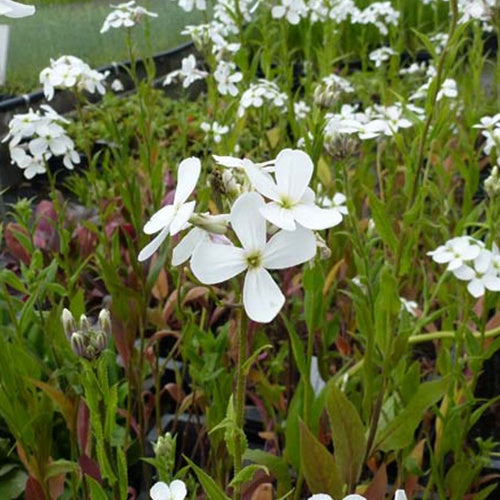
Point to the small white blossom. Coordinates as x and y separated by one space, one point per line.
176 490
125 15
214 130
188 73
226 78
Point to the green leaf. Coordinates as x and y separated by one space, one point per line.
96 490
348 435
313 283
382 222
12 483
298 348
292 433
398 434
387 306
212 489
59 467
250 361
247 473
277 466
318 465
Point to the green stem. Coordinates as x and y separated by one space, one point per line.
241 342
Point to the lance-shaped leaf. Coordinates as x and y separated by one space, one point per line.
348 435
318 465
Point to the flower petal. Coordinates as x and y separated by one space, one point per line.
178 489
279 216
261 181
159 491
185 248
187 178
400 495
293 171
491 282
181 217
247 221
160 220
476 288
153 245
289 248
314 217
464 273
212 263
262 297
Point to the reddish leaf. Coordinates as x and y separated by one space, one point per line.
160 288
56 486
175 392
34 490
45 235
13 244
82 426
378 487
90 468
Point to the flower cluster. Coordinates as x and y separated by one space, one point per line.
9 8
290 210
47 138
125 15
469 260
214 130
375 122
259 93
490 129
69 72
291 10
380 14
87 340
189 5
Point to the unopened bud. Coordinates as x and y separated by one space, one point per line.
104 322
325 96
341 146
99 340
79 344
324 251
84 323
231 185
68 322
492 183
215 224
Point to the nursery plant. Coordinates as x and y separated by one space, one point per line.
282 281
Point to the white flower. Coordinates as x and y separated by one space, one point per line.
125 15
456 251
188 73
9 8
398 495
47 138
292 10
171 219
381 55
215 130
410 306
187 5
262 298
291 199
448 89
260 92
481 275
176 490
226 77
301 110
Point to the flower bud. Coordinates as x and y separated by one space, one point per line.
341 146
324 251
84 323
79 344
104 322
325 96
99 339
492 183
215 224
68 322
